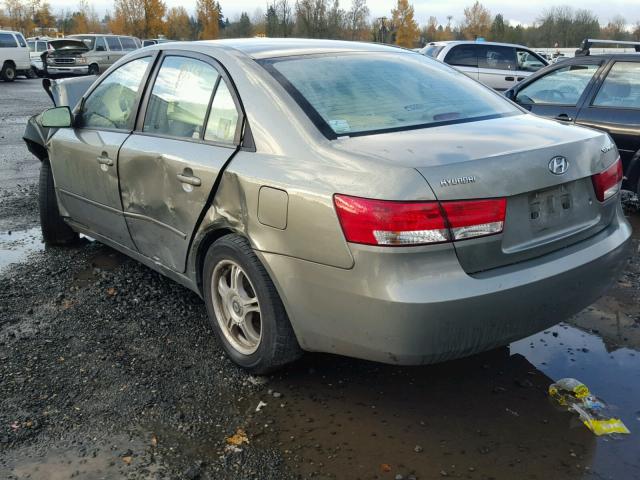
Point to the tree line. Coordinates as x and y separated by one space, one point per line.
561 26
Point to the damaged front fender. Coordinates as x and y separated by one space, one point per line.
64 92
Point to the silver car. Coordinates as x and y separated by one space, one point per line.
497 65
334 196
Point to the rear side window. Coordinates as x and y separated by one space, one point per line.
357 94
180 98
114 44
463 56
621 88
223 119
111 104
7 41
128 43
496 57
563 86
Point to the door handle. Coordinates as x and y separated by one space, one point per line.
509 79
563 117
104 160
189 179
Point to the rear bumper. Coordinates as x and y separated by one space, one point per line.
75 70
417 307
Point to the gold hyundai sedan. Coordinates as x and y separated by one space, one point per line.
341 197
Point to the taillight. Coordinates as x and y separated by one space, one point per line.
475 218
396 223
608 183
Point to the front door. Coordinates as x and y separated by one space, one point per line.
84 159
169 165
616 110
559 93
497 66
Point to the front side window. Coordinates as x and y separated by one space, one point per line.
32 46
496 57
563 86
357 93
42 47
223 119
7 41
21 40
128 43
180 97
101 45
114 44
111 105
463 56
529 62
621 88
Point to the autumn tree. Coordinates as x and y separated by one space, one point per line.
208 12
142 18
406 28
477 21
178 25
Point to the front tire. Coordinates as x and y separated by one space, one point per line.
245 309
8 73
94 69
54 230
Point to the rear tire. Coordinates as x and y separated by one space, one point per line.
276 344
54 229
8 73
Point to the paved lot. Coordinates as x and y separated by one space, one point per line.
108 370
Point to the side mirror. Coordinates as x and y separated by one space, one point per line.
59 117
510 94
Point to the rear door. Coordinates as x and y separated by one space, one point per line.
497 66
464 58
84 158
115 49
559 93
615 108
188 130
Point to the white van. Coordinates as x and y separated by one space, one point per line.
14 55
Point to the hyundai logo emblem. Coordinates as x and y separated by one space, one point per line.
558 165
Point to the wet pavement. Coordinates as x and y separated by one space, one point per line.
110 371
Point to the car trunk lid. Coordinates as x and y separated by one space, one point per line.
508 158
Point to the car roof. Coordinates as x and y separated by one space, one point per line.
10 31
474 42
260 48
97 35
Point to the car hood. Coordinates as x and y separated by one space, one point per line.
68 44
67 91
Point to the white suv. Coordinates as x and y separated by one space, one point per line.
497 65
14 55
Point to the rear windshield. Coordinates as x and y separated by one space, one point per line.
351 94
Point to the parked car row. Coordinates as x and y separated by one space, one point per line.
340 197
89 54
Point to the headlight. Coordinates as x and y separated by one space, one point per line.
50 61
81 60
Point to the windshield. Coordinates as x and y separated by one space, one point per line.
88 40
431 50
351 94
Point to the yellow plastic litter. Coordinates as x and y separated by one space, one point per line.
606 427
575 395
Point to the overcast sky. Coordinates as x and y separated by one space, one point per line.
517 11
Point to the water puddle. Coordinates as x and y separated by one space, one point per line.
110 460
18 245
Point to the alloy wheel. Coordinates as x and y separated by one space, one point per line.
236 307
